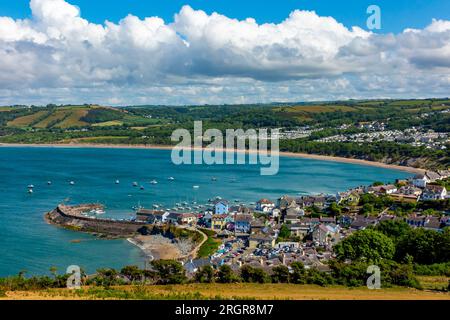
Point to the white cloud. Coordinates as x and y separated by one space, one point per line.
57 56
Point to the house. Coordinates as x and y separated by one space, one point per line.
325 234
388 189
285 202
265 205
261 240
275 213
151 216
221 207
433 223
293 215
416 221
182 218
240 209
327 220
187 219
206 220
445 174
219 221
193 266
310 201
257 226
362 222
299 230
349 197
434 192
421 180
242 223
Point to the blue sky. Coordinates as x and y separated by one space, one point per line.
397 14
62 51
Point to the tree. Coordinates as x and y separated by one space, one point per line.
425 246
334 209
169 271
367 209
298 274
284 232
366 245
133 273
226 275
255 275
204 275
280 274
395 229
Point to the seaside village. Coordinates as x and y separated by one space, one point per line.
306 228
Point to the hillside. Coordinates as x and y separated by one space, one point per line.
339 122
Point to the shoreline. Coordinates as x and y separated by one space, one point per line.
166 147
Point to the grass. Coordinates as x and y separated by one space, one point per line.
108 123
210 246
26 121
233 291
52 119
433 282
73 118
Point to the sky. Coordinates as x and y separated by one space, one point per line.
220 51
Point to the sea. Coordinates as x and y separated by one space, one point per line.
28 244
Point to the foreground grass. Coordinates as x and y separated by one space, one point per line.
229 291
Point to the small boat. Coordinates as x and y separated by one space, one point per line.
142 188
31 186
155 206
135 184
196 187
72 183
30 191
154 182
171 179
49 183
213 179
117 182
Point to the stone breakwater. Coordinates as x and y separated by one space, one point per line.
157 242
71 217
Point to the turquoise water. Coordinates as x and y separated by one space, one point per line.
28 243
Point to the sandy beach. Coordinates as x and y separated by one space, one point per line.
165 147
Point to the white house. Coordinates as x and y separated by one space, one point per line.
265 205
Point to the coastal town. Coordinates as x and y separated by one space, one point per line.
305 229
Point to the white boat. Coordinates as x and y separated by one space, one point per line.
142 188
154 182
135 184
49 182
98 211
31 186
213 179
72 183
171 179
30 191
117 182
196 187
